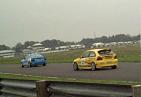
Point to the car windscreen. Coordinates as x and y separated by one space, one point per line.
85 54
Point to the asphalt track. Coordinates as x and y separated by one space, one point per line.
125 71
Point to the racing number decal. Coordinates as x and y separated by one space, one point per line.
83 61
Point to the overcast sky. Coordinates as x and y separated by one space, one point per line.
67 20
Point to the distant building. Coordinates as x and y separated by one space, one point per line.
47 49
27 51
7 53
68 47
78 46
36 48
99 44
62 48
111 44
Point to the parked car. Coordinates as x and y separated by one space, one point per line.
33 60
96 58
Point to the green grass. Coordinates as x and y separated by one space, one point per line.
64 57
128 53
125 54
63 79
15 60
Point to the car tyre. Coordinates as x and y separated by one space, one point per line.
114 67
75 67
93 66
44 64
22 65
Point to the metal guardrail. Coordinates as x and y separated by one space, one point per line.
29 88
71 89
17 88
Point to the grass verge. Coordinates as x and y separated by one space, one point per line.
125 54
63 79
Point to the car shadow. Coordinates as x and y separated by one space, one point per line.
99 69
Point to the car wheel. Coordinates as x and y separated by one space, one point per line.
93 66
22 65
75 67
114 67
44 64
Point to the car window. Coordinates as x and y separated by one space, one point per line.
105 52
92 54
85 54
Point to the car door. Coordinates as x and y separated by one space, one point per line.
83 62
90 58
25 61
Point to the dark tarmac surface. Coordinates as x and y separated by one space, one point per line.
125 71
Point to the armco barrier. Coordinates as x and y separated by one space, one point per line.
17 88
70 89
43 88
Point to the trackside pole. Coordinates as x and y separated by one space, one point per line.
0 87
41 87
136 90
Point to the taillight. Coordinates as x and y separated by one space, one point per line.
99 58
115 57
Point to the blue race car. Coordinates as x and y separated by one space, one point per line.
34 60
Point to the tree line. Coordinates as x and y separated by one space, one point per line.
106 39
86 41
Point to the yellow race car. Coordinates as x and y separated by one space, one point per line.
96 58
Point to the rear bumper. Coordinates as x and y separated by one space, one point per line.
38 63
100 64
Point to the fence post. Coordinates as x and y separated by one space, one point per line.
41 87
136 90
0 87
